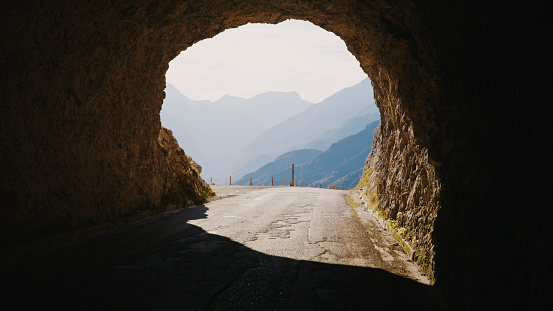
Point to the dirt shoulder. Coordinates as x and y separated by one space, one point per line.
390 250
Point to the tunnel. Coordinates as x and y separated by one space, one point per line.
464 138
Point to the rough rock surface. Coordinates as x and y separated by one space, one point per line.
183 186
406 195
82 87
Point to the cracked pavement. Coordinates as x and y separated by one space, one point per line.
309 224
276 248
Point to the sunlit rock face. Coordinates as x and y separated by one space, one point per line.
183 184
400 185
460 89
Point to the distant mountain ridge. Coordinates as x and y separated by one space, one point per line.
348 128
212 132
233 136
341 164
304 130
279 168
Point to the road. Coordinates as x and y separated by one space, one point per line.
276 248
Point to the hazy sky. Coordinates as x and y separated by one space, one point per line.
256 58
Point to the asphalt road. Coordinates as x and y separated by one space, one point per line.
281 248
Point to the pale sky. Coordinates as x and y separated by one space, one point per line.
256 58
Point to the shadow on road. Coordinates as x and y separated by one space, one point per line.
198 212
172 265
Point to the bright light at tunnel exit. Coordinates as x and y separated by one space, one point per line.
255 58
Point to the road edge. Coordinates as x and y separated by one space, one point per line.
410 251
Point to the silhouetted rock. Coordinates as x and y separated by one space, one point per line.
183 185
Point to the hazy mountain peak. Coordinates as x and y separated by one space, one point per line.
280 98
269 95
228 100
171 90
364 86
225 136
212 132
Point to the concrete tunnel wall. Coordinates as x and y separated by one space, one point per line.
461 88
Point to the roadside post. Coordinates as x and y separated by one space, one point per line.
292 175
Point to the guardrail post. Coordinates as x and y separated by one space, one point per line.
293 175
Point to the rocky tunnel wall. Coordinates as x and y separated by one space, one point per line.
459 86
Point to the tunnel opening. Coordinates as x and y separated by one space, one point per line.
262 92
456 109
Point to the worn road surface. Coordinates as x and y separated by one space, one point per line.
281 248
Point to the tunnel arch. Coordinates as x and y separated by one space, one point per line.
82 86
388 56
116 76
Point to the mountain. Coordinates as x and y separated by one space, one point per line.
279 168
303 130
348 128
213 132
177 116
341 164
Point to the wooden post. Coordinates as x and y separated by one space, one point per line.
272 181
302 183
212 180
284 180
293 175
230 182
311 184
250 181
